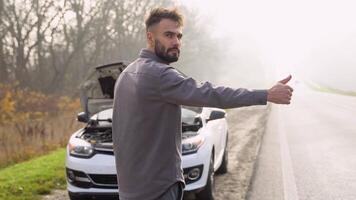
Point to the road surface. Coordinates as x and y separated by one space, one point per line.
308 150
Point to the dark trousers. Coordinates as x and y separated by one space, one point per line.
175 192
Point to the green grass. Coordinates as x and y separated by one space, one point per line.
30 179
330 89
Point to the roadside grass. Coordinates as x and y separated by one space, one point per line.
330 89
30 179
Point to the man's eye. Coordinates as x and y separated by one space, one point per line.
169 35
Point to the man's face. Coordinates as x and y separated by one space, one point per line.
166 40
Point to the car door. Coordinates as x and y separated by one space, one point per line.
223 135
214 127
220 128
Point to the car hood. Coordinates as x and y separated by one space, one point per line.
97 89
187 117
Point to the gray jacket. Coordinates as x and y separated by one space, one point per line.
147 122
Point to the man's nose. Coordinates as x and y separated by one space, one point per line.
176 42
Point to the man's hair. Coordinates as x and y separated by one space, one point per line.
157 14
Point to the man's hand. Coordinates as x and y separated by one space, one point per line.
281 93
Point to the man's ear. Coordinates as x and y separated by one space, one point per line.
150 38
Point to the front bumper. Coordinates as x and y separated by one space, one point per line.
201 158
98 173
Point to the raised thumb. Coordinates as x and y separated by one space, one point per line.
286 80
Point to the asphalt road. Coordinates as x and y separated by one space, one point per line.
308 150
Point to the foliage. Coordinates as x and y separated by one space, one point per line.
32 123
328 89
18 105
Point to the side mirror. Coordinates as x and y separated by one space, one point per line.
215 114
83 117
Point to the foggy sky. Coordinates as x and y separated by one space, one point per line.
314 40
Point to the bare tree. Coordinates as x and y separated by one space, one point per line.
27 25
50 45
3 66
76 35
102 32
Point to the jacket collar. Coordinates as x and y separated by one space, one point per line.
146 53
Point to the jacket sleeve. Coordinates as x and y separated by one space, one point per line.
178 89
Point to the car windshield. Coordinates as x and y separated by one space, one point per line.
189 114
193 108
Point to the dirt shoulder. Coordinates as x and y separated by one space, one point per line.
246 128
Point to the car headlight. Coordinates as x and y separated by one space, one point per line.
192 144
80 148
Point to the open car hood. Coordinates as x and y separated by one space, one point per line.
97 89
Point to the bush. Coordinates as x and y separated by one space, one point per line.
32 123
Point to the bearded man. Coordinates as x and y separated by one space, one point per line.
147 111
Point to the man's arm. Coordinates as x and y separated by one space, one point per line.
177 89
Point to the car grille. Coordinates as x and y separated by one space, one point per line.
104 179
83 180
106 151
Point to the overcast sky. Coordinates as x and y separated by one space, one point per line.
311 39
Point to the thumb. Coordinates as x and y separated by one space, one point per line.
286 80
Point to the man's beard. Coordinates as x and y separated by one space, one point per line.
162 53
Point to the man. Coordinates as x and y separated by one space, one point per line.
147 112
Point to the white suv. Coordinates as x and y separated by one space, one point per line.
90 163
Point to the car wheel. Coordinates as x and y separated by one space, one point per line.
208 192
223 167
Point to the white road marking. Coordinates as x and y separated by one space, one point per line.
289 184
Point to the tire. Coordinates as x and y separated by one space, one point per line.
208 192
223 167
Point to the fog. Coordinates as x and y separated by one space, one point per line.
314 40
